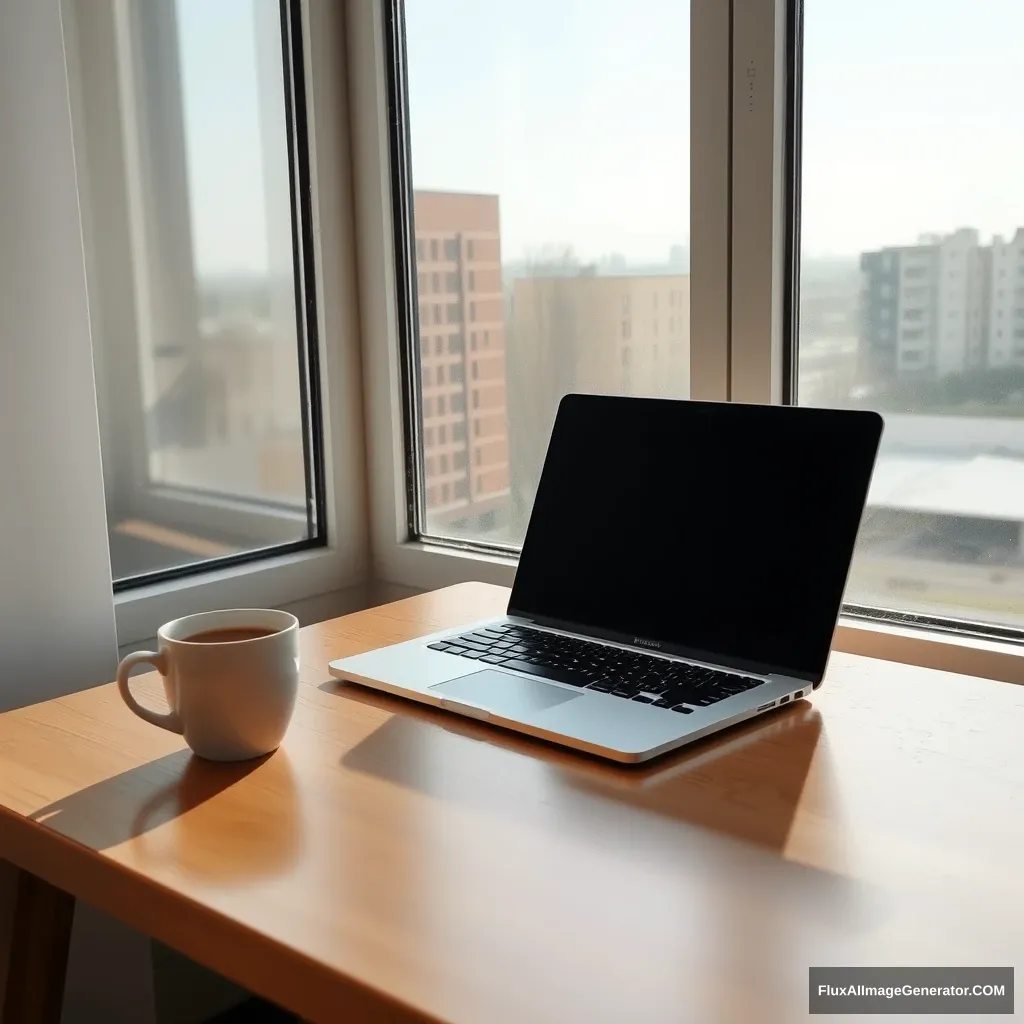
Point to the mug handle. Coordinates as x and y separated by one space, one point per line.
169 720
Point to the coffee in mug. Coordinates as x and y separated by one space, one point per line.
231 679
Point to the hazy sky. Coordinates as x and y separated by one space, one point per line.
576 113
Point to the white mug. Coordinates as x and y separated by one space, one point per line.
230 699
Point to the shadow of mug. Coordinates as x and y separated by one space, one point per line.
254 831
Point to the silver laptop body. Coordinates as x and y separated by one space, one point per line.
623 706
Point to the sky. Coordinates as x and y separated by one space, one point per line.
576 114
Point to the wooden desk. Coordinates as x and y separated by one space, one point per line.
392 863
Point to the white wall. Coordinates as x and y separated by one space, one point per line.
56 606
54 563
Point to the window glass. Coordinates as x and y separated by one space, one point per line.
559 196
902 300
200 359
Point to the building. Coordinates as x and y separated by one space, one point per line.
924 308
1005 301
617 334
462 352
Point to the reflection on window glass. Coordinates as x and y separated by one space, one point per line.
203 418
551 195
912 225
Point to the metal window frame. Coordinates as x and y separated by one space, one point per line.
262 519
337 561
709 357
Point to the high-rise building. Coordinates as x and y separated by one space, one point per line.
462 351
1005 301
925 308
616 334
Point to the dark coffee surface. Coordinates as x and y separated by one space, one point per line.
229 636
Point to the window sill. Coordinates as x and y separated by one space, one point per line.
429 567
270 582
968 656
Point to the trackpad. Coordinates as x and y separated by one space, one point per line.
504 694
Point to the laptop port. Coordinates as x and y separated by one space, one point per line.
765 707
785 699
799 693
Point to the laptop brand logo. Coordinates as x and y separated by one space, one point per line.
646 643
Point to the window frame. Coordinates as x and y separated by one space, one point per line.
274 573
744 186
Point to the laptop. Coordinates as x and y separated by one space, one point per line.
683 571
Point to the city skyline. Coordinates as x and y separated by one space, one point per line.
578 116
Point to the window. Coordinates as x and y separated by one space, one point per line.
457 373
461 490
524 262
437 313
445 494
453 313
436 282
627 330
442 434
428 437
426 375
953 403
458 429
455 343
458 404
441 407
562 270
433 249
203 327
443 463
459 460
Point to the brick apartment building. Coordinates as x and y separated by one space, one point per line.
462 351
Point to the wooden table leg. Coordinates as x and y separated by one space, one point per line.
35 934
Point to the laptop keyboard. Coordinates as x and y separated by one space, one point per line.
632 675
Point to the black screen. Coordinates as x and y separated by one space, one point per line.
713 529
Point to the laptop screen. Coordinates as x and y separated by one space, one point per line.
719 531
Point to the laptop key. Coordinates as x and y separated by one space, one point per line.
494 659
683 709
439 646
475 654
544 672
602 686
474 645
